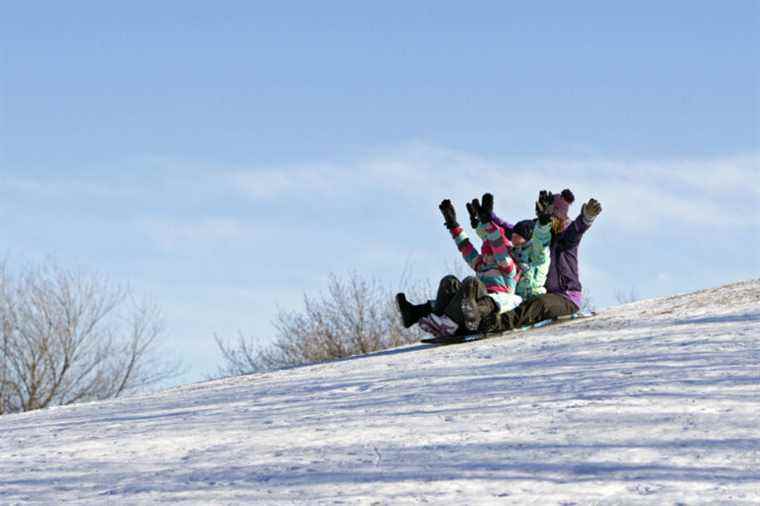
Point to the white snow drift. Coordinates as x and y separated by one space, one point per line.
655 402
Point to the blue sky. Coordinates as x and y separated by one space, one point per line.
226 158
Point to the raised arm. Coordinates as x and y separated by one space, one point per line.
572 235
494 236
505 225
539 259
492 233
539 244
469 253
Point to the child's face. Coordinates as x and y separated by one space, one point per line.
517 239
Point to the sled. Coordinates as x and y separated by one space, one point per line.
466 338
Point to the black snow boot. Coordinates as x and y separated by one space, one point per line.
486 306
490 321
470 310
476 306
412 313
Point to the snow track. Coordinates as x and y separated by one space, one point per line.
655 402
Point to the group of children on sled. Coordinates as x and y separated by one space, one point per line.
524 273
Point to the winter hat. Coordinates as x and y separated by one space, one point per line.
562 203
524 228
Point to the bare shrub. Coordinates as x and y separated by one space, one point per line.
69 337
353 316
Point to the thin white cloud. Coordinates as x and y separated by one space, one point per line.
635 194
710 191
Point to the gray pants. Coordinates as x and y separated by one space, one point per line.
448 300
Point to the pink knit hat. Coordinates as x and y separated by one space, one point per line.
562 203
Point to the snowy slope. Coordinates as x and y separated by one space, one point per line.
656 402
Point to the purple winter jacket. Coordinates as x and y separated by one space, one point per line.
563 271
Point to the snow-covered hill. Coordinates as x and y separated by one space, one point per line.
656 402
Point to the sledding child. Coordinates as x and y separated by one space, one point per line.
563 287
491 291
530 248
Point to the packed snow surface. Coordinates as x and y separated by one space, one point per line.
655 402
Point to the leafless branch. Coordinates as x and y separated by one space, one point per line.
353 316
68 336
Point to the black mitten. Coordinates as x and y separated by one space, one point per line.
544 207
449 215
486 208
473 214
